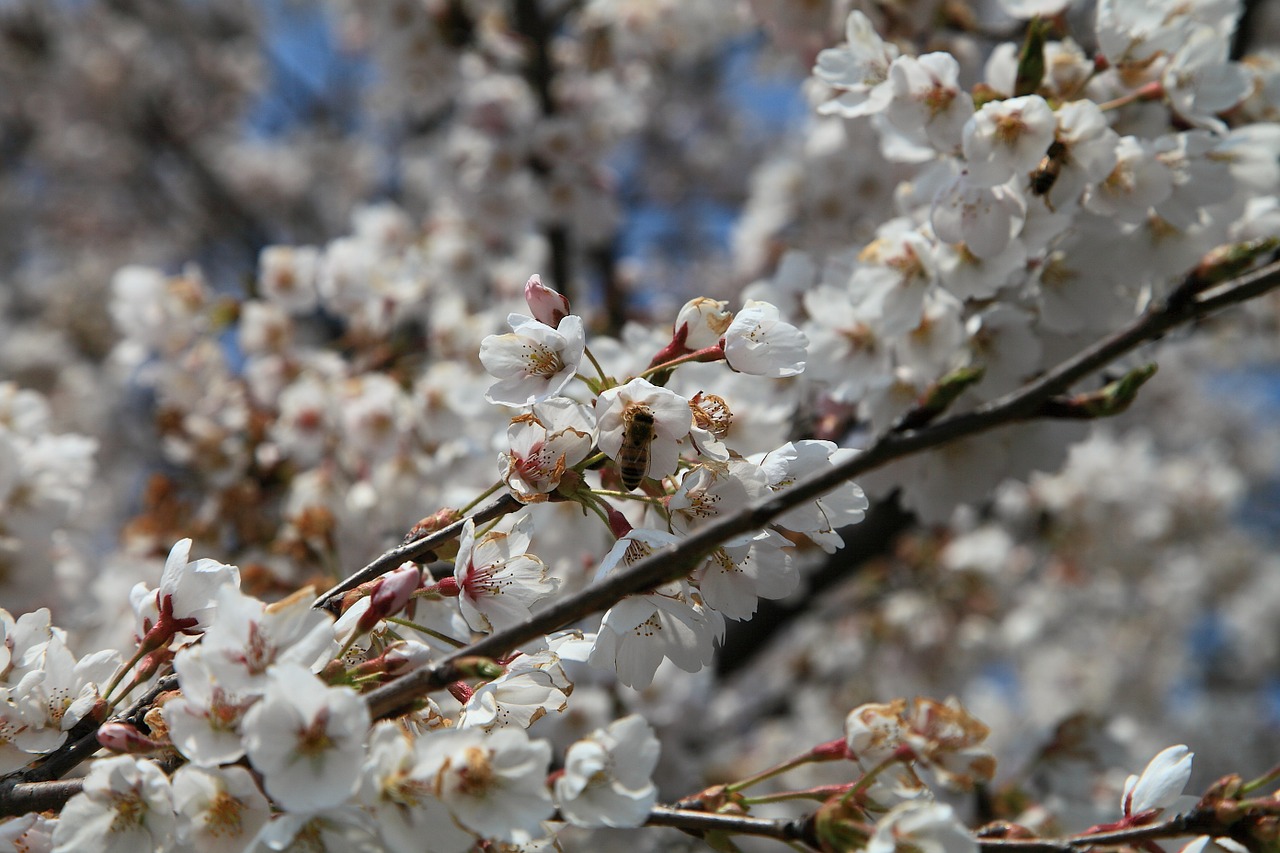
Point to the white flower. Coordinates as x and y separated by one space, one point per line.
307 416
1007 138
1088 151
704 321
532 685
860 67
1201 81
985 219
1136 183
672 420
821 519
57 691
545 443
741 571
186 601
606 780
30 833
846 349
893 274
498 582
287 276
204 721
373 412
126 806
398 786
494 783
1133 31
639 631
928 104
306 739
534 362
761 343
1160 783
250 636
714 490
921 827
220 810
164 314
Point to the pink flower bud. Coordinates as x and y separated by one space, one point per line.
390 595
124 738
547 306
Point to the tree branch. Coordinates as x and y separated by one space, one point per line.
675 561
33 788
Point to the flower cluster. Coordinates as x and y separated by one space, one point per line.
957 219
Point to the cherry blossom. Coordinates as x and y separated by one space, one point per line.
534 362
306 739
219 810
1160 783
186 600
702 322
497 581
494 784
205 722
743 570
839 508
554 437
928 105
399 786
984 219
126 806
250 636
926 827
860 68
672 421
532 686
1007 138
638 632
606 780
761 343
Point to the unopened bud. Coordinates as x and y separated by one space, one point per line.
547 306
706 319
839 825
618 523
390 594
126 739
433 523
1106 402
1227 262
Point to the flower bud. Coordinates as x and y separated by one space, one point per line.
390 594
707 320
547 306
126 739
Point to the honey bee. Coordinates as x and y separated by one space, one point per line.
1046 174
633 456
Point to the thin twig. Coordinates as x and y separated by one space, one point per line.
787 829
418 548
